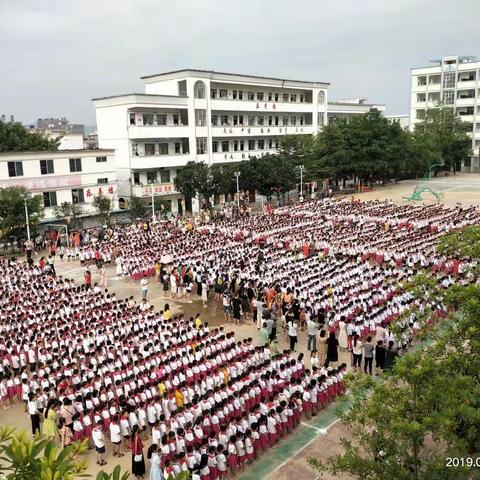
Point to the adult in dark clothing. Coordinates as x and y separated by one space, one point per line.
332 348
379 357
390 356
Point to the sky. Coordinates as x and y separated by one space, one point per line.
56 55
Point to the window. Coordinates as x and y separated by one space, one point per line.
321 97
448 97
225 146
214 120
161 119
276 97
251 95
101 159
148 118
235 145
136 178
182 88
149 149
151 177
276 120
421 97
77 195
301 120
234 94
449 80
293 97
132 119
285 97
270 120
200 118
165 176
46 167
178 147
240 119
285 121
240 95
215 146
201 146
302 98
270 96
175 118
224 120
261 121
163 148
251 120
261 144
15 169
213 93
251 144
75 165
270 143
223 94
235 119
102 181
199 89
49 199
294 120
421 81
242 145
260 96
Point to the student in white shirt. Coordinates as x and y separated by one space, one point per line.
99 442
116 436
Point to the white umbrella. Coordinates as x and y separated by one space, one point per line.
166 259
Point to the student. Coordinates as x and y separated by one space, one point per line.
379 357
65 434
368 349
99 442
116 436
357 352
34 413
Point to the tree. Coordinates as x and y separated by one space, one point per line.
103 204
448 134
428 408
137 207
14 137
69 213
12 210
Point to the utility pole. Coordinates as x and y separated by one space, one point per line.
301 167
26 217
153 204
237 175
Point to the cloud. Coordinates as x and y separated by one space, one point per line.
58 54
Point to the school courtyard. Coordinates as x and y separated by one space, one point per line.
319 437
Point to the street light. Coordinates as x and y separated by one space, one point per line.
153 204
26 217
237 175
301 167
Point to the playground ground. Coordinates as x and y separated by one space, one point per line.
463 188
319 437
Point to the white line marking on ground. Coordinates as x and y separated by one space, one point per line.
307 444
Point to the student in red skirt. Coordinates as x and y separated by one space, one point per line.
232 455
221 462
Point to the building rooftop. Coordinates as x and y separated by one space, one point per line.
59 152
213 73
136 93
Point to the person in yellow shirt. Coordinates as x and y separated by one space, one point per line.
198 322
161 388
179 398
167 313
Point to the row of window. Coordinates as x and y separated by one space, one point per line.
153 177
78 196
154 149
159 119
15 169
257 120
225 94
236 145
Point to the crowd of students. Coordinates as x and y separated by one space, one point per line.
87 364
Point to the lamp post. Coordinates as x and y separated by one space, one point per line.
301 167
153 204
237 175
26 217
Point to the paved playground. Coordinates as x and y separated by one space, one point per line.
319 437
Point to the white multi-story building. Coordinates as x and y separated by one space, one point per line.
73 176
198 115
347 109
453 81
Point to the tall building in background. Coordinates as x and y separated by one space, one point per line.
198 115
452 81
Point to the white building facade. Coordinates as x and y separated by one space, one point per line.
203 116
347 109
453 81
73 176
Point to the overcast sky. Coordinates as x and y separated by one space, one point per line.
56 55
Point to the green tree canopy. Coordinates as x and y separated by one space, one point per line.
69 213
137 207
14 137
103 204
447 134
12 210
